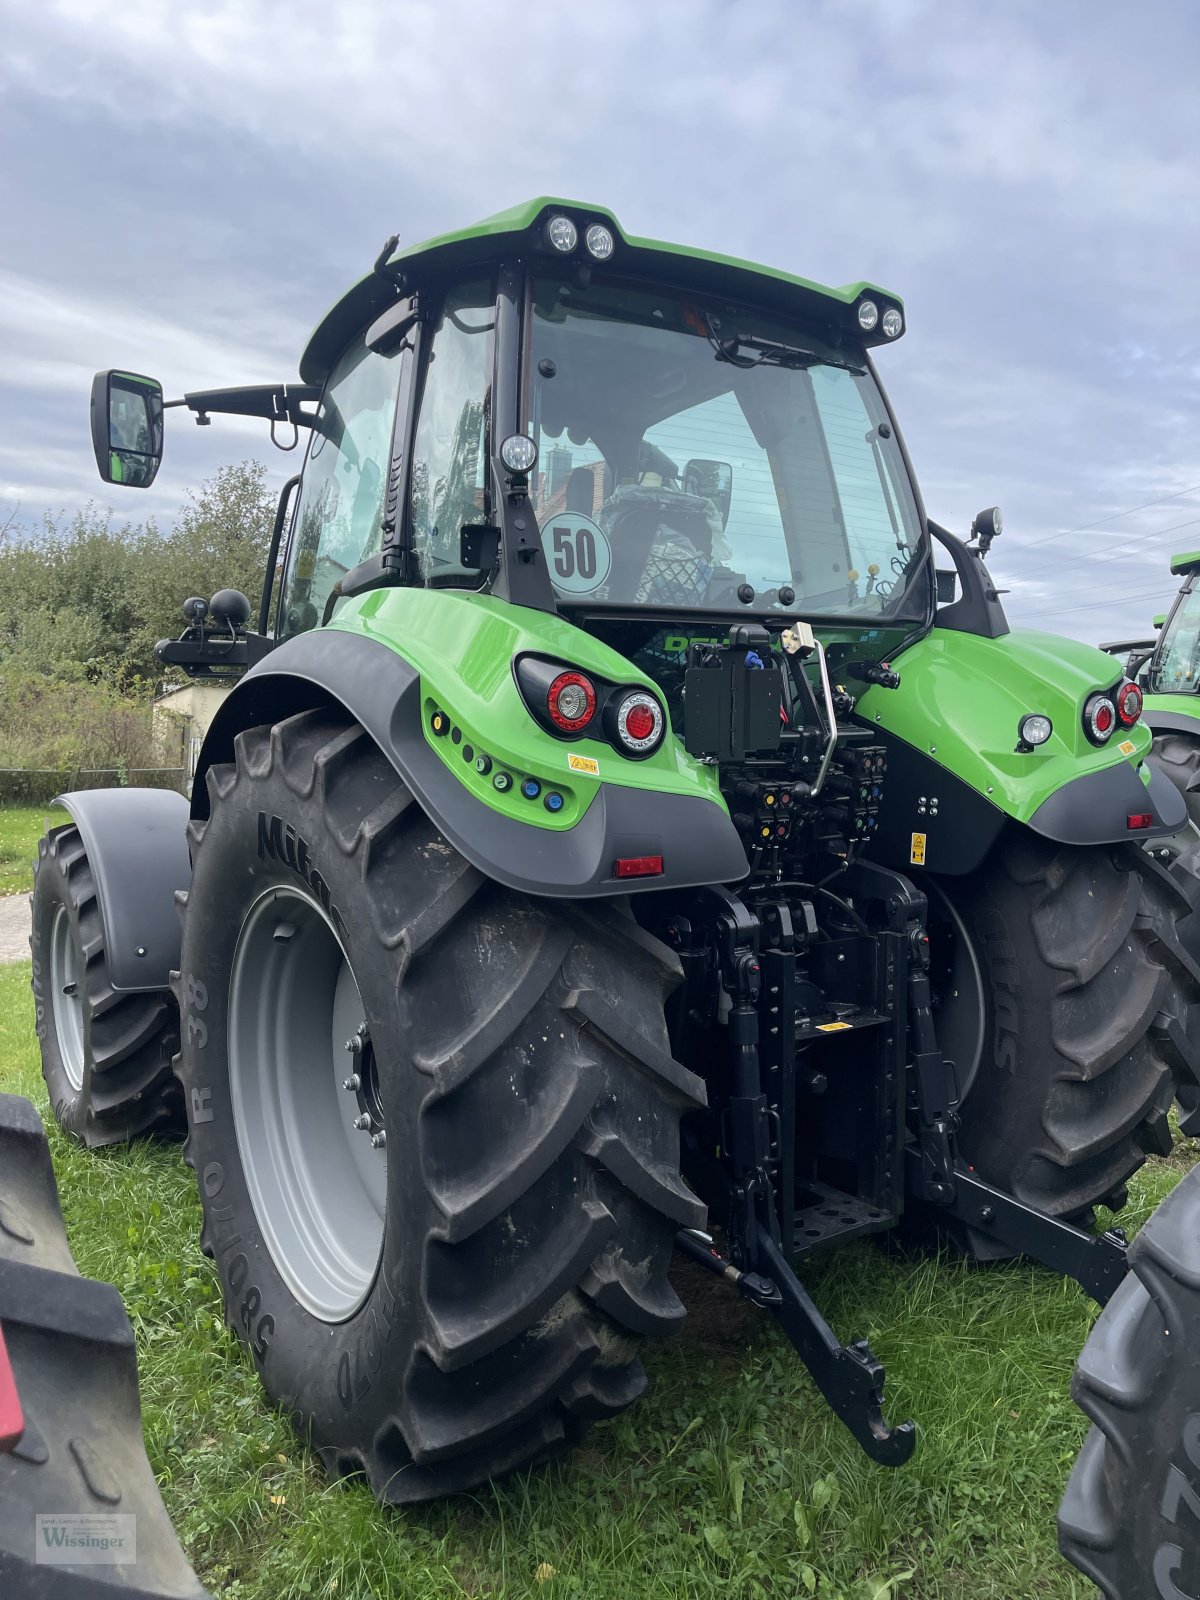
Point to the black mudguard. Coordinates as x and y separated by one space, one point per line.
696 838
136 843
1096 808
957 826
1171 722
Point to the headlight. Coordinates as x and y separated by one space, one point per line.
562 235
868 315
893 323
599 241
1034 729
518 452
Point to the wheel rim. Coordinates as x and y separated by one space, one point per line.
317 1183
66 999
961 1014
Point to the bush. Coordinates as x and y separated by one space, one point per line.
56 736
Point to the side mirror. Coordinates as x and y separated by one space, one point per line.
711 480
127 427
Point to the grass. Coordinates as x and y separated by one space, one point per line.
20 829
731 1479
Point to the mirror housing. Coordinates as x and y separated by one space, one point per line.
711 480
127 427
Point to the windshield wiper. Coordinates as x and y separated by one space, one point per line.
773 352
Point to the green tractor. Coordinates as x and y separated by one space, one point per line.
620 832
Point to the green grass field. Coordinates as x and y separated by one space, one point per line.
731 1479
20 829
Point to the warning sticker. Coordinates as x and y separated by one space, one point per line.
584 764
1127 747
917 854
833 1027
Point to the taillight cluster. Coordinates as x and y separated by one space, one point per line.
1105 712
570 704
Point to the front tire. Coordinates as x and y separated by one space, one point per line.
1129 1519
106 1056
464 1297
1069 1002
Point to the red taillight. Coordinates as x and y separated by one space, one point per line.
571 701
1099 718
640 723
637 723
638 867
1140 819
1129 703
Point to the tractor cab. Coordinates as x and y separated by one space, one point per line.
1172 666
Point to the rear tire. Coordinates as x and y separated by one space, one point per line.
1129 1516
106 1057
1090 1014
525 1202
1177 757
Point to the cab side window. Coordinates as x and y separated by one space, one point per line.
339 519
448 483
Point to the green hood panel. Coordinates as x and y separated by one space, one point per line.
463 644
961 697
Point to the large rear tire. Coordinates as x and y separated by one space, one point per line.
106 1056
1068 997
467 1295
1130 1518
1177 756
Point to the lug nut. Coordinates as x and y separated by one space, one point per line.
379 1139
352 1082
353 1045
363 1122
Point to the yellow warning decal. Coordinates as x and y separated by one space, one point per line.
584 764
833 1027
917 854
1126 747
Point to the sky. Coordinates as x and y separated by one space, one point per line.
185 189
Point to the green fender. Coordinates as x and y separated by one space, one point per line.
955 775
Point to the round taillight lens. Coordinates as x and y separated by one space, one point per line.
1129 703
639 723
571 701
1099 718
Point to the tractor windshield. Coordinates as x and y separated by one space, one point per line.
691 452
1177 666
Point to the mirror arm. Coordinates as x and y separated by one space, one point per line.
274 402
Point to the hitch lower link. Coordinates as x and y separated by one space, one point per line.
849 1377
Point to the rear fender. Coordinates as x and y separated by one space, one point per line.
382 691
136 843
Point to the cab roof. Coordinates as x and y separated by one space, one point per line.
520 232
1188 562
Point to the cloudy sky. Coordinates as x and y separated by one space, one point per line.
186 188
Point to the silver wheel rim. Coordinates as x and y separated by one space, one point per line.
961 1016
66 999
317 1183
